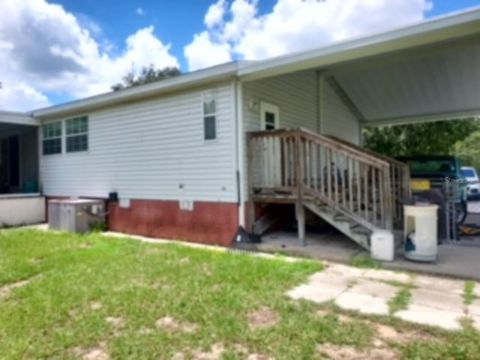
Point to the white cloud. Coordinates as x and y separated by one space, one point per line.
203 52
140 11
21 97
45 49
295 25
215 13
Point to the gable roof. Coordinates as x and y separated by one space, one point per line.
436 30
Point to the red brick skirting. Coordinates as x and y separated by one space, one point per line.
208 223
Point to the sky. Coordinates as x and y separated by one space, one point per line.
53 51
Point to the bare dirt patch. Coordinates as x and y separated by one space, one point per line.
263 318
168 323
95 305
388 333
98 352
258 357
336 352
116 322
215 353
6 290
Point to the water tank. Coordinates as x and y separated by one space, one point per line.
421 232
75 215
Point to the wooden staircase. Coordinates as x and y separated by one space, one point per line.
355 190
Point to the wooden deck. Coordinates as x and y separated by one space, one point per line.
303 168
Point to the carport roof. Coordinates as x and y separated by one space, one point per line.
429 70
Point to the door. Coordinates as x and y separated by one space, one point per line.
14 162
269 116
272 154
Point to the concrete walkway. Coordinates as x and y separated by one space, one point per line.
427 300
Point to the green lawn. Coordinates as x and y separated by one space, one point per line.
97 297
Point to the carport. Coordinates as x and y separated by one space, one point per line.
20 199
426 72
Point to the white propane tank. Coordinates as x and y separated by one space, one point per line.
421 232
382 245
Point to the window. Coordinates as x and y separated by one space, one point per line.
209 116
269 116
52 138
76 130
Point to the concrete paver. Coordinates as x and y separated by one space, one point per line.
449 301
369 297
439 284
386 275
315 293
474 308
365 304
434 301
425 315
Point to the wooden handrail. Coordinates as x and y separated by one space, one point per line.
341 145
301 163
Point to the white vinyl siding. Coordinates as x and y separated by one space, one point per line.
152 149
294 94
337 118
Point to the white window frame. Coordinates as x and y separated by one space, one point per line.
205 94
53 137
86 133
271 108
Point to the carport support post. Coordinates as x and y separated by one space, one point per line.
299 209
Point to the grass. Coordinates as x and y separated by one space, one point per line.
52 317
401 300
363 260
469 293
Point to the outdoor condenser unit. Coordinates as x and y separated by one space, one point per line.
75 215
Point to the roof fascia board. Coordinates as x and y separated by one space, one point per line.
214 74
428 32
16 118
474 113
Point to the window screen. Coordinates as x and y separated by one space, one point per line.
209 116
52 138
77 134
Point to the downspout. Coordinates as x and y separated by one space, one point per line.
239 151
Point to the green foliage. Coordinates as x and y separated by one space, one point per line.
468 150
365 261
436 138
98 226
469 293
401 300
147 75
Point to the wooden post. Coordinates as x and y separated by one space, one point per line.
388 198
300 210
299 167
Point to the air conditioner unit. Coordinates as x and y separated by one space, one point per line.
75 215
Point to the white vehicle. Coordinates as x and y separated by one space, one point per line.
473 182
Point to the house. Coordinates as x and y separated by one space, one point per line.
196 156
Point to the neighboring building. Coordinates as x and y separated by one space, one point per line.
177 151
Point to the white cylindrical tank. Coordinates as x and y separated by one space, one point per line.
421 232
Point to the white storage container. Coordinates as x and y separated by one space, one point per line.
421 232
382 245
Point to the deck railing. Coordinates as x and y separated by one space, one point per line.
303 165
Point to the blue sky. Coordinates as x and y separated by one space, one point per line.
52 51
176 21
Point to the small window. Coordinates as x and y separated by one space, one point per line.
52 138
77 134
209 116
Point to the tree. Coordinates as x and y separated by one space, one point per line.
435 138
468 150
147 75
